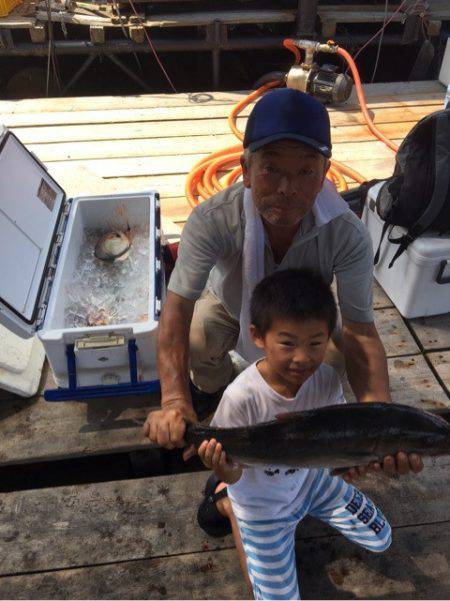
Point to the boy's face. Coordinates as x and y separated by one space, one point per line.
294 350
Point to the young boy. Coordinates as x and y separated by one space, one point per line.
293 313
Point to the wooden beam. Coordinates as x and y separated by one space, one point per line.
328 27
306 17
137 34
433 26
97 34
38 34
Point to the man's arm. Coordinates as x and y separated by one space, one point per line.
166 426
365 361
367 372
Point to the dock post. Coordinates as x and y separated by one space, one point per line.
306 18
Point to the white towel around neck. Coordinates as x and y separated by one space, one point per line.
327 206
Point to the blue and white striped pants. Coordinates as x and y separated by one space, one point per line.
270 544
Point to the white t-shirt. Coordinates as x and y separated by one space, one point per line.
273 492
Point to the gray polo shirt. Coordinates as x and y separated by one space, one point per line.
210 254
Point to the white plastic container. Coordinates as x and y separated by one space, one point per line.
444 73
419 281
40 236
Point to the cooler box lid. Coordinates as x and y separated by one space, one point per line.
31 205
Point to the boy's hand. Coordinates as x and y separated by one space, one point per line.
214 458
352 473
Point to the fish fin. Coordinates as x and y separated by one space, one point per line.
288 415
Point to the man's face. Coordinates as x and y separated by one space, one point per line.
285 178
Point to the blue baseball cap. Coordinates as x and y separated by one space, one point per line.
288 113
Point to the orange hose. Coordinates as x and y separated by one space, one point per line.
204 179
290 45
362 101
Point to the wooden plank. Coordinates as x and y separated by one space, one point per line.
120 101
381 95
394 334
161 131
387 115
35 430
137 166
351 15
208 575
433 331
13 21
156 517
441 363
126 176
192 19
185 146
415 567
380 298
168 186
411 382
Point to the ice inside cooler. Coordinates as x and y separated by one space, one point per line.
90 292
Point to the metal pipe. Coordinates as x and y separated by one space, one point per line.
168 45
90 59
129 72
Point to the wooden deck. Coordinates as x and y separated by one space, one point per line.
137 538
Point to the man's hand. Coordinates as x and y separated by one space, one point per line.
166 426
398 464
214 458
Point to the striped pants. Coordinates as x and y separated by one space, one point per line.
270 544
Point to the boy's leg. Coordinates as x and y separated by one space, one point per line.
225 508
269 547
213 334
347 509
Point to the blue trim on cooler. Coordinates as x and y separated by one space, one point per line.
74 392
95 392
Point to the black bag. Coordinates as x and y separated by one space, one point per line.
417 196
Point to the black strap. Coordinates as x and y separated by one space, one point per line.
383 233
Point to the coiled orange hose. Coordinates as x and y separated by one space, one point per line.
203 180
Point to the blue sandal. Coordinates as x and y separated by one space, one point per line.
208 516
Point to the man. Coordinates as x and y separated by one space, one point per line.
302 223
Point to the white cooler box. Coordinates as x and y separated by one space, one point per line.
419 281
41 234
